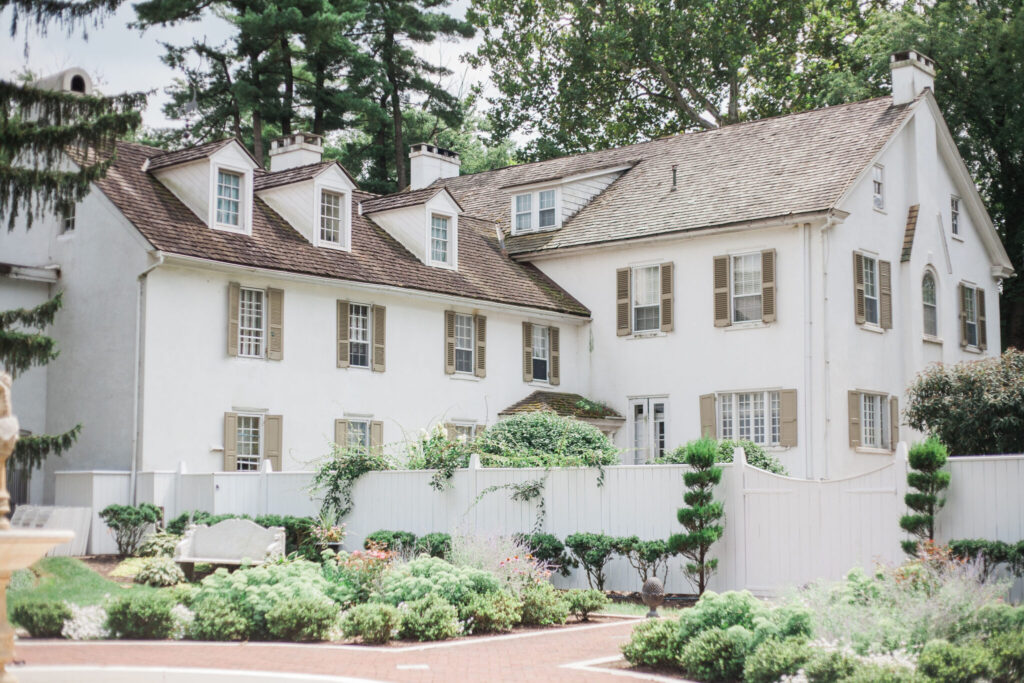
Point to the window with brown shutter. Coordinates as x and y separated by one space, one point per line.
859 313
272 443
982 331
554 375
480 322
275 346
230 442
341 434
720 285
234 290
894 422
708 422
449 342
768 286
885 294
787 417
379 337
667 296
623 307
450 431
527 352
343 359
376 437
853 408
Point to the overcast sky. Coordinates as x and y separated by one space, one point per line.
123 60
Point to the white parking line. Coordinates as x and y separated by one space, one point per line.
594 666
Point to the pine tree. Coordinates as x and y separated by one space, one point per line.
929 479
40 128
702 518
22 346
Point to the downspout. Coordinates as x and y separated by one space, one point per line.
808 418
140 347
826 352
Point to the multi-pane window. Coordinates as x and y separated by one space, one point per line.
439 239
541 352
67 218
359 434
650 428
746 287
463 343
751 416
954 214
331 207
870 290
874 420
465 432
646 298
546 209
878 187
250 322
359 335
970 308
249 443
929 307
524 212
229 191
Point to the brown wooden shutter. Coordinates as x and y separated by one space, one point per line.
343 357
275 303
623 322
859 307
720 284
480 323
982 330
963 315
894 422
527 352
885 294
787 417
234 292
272 437
449 342
230 442
450 431
379 337
853 405
708 424
768 287
667 314
555 372
376 437
341 434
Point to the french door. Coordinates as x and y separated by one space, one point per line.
648 428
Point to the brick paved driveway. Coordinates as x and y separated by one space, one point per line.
532 656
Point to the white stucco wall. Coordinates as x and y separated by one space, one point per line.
190 381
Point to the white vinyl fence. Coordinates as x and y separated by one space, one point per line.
779 531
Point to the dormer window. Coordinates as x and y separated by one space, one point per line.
439 240
535 211
331 217
229 191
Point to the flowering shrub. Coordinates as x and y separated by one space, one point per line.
327 530
413 580
183 618
506 557
372 622
435 451
428 618
159 571
355 576
86 623
544 439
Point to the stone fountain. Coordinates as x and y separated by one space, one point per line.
18 548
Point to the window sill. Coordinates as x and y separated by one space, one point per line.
355 367
647 334
442 264
543 384
927 339
958 238
869 327
331 245
519 233
251 357
972 349
880 210
872 451
748 325
465 377
224 227
67 235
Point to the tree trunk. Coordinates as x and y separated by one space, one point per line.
257 114
318 101
396 109
289 87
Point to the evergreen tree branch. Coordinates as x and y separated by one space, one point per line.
30 451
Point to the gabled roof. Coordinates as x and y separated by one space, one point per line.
400 200
565 404
770 168
266 180
484 273
184 156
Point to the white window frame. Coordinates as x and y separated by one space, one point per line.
434 216
729 409
238 200
344 242
68 216
472 344
733 296
534 211
973 289
655 433
369 335
954 216
878 187
934 305
545 332
244 198
633 289
465 425
875 432
241 459
364 423
876 297
453 238
244 342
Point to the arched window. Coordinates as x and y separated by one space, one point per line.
928 304
77 84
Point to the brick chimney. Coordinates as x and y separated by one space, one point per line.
912 74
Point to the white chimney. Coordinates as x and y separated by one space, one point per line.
912 73
427 163
73 80
297 149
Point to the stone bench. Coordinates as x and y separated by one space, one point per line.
231 542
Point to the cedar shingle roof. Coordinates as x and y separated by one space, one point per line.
265 180
749 171
183 156
565 404
908 236
400 200
484 272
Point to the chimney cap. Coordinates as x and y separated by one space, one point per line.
278 145
426 147
912 57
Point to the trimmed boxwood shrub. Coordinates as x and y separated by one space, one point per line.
491 612
429 618
435 544
773 659
582 603
41 618
593 551
829 666
544 439
372 622
141 616
395 541
217 618
654 643
543 606
128 523
306 618
550 550
717 654
943 661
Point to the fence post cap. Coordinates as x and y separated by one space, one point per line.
266 466
739 456
474 461
182 467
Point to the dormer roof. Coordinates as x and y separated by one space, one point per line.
189 154
266 180
400 200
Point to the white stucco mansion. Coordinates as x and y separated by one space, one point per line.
779 280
